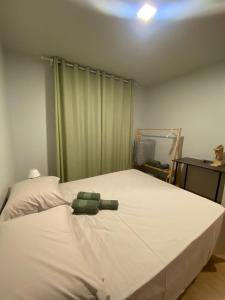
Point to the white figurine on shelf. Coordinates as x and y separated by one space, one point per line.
219 159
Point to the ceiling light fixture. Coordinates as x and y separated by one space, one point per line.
146 12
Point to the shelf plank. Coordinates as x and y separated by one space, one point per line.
166 171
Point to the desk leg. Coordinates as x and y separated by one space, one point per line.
175 175
218 187
185 178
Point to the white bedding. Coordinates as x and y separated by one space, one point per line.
155 244
40 260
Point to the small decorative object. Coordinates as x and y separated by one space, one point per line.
33 173
219 160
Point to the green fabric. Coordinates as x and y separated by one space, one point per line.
78 122
154 163
164 166
93 122
117 113
109 204
89 207
158 164
88 196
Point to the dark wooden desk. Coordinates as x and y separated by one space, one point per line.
204 164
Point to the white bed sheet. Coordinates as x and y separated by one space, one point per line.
155 244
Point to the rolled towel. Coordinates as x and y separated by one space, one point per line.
164 166
88 196
82 206
154 163
109 204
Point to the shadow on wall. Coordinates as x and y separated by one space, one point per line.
50 120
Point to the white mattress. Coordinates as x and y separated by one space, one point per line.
155 244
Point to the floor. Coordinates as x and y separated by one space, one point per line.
210 283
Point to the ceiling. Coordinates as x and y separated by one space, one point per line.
112 39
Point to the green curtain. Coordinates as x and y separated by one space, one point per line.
117 113
93 122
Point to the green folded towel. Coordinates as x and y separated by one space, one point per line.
109 204
158 164
82 206
154 163
164 166
90 203
88 196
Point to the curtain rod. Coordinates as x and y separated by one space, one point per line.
83 68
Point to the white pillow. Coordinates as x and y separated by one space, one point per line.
41 260
31 196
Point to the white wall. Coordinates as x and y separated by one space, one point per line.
26 95
32 113
6 157
140 96
196 103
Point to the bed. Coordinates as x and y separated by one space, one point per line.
150 249
155 244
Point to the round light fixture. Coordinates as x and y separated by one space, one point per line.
147 12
